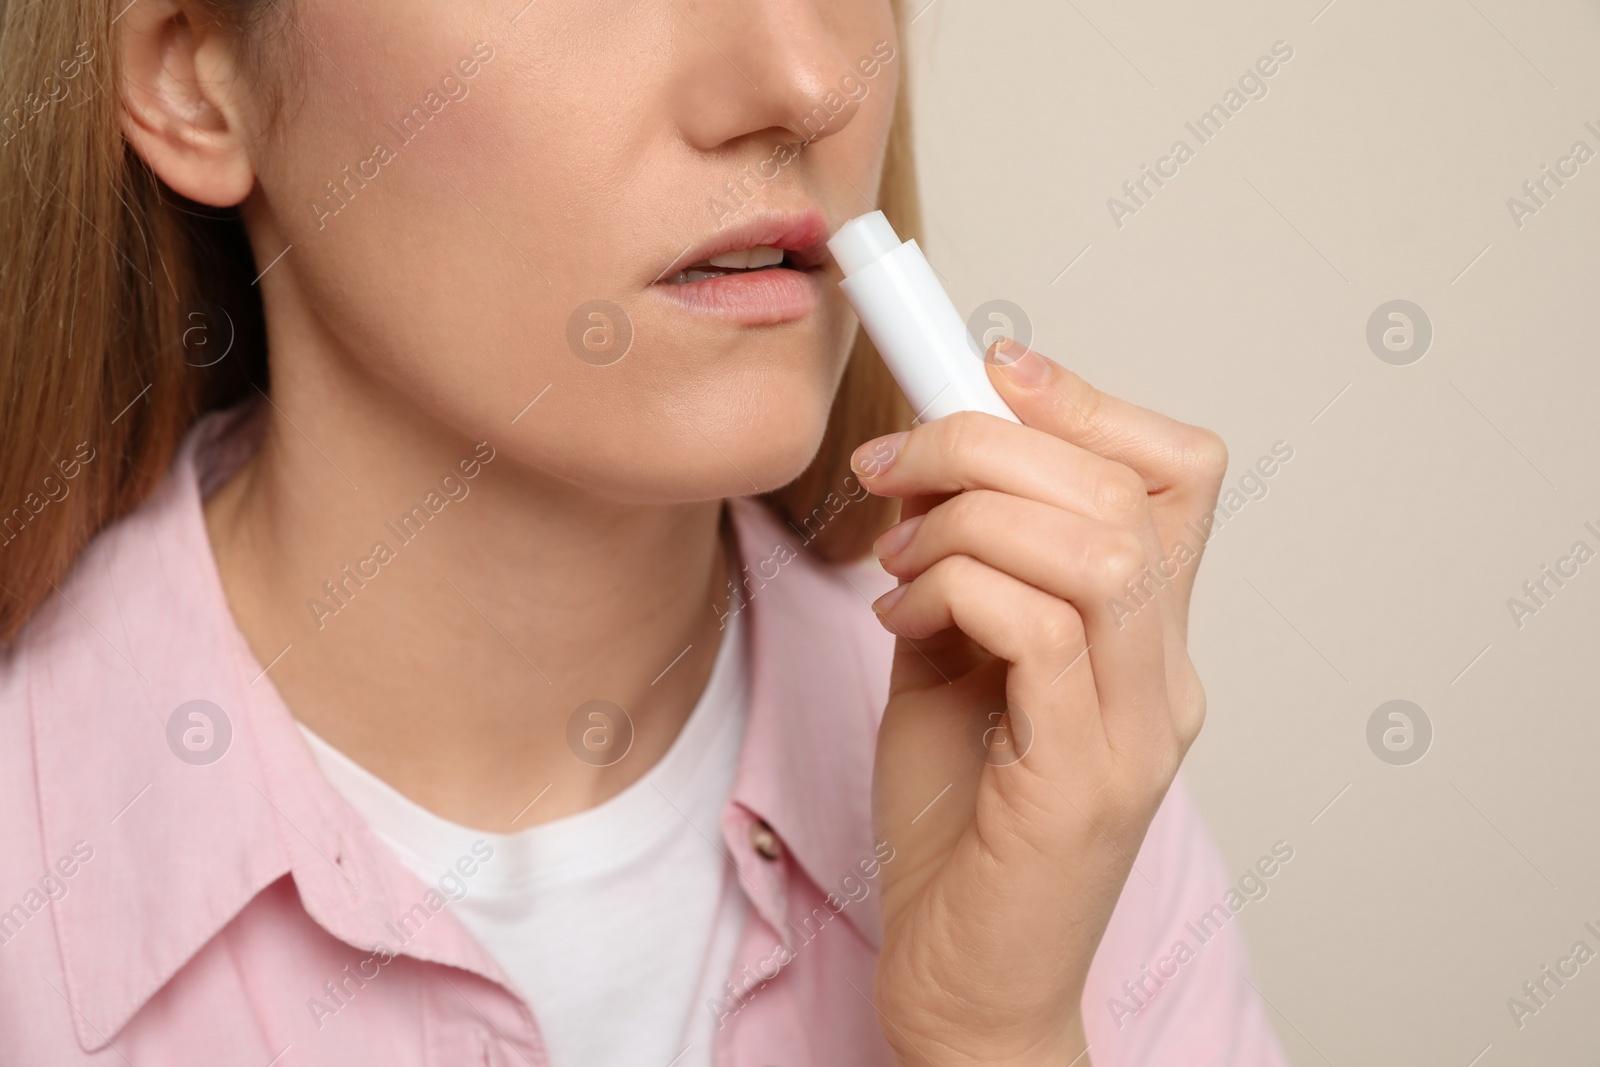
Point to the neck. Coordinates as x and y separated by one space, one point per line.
442 633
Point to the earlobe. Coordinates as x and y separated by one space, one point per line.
182 101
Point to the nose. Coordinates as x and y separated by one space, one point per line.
754 66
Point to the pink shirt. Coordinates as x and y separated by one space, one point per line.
159 909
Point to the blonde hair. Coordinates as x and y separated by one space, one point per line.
105 272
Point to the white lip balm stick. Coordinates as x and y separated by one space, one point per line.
911 320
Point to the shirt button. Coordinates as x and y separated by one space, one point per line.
764 841
344 864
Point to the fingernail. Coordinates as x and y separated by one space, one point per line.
1004 351
888 600
876 455
1022 364
896 537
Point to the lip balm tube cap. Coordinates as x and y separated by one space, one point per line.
863 241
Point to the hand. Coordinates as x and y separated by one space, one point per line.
1040 702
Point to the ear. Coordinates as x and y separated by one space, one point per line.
183 101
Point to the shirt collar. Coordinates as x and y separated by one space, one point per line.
142 627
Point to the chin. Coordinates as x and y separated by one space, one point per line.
766 448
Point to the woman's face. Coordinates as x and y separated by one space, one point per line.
487 203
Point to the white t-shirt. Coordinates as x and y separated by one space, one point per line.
619 923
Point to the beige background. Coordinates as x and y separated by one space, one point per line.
1379 565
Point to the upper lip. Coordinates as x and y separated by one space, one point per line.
802 235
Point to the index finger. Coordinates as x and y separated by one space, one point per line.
1170 456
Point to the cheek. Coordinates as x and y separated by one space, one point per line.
446 242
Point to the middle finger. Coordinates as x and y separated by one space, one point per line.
1098 568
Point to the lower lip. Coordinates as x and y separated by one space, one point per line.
758 298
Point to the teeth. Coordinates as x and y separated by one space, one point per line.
694 274
748 258
717 266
